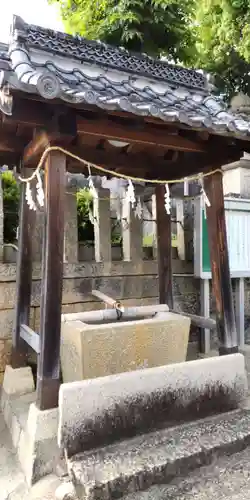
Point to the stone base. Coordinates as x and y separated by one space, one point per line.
156 458
33 432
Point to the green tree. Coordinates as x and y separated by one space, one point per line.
157 27
10 205
210 34
222 34
84 207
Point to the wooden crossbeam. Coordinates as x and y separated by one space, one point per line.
153 167
30 337
147 135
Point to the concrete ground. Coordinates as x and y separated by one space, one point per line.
12 482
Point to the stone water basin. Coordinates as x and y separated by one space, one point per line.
97 343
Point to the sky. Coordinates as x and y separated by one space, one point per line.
32 11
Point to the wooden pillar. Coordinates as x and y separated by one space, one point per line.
48 378
221 281
164 245
23 279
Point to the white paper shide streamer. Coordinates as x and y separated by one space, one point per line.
130 194
39 194
92 214
203 193
167 199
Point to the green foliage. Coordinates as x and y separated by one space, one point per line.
222 34
84 206
85 227
10 205
153 26
11 196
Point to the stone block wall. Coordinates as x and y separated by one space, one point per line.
133 283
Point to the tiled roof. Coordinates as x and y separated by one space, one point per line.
55 65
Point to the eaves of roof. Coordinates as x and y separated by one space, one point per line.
55 65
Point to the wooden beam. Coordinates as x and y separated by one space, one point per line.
221 281
164 249
143 135
48 379
61 131
24 280
9 143
28 113
153 167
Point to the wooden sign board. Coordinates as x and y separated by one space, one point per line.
237 213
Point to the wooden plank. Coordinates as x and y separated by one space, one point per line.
48 379
147 135
23 279
30 337
164 246
221 281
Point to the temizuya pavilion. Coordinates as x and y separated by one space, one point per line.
66 91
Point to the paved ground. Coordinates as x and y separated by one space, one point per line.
12 482
226 479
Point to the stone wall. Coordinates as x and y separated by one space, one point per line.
133 283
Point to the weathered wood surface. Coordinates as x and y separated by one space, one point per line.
221 281
164 248
24 280
51 293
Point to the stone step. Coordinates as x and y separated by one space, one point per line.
138 463
227 478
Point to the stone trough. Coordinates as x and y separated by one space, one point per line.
98 343
124 433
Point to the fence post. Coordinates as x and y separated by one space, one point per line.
102 225
132 233
71 226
